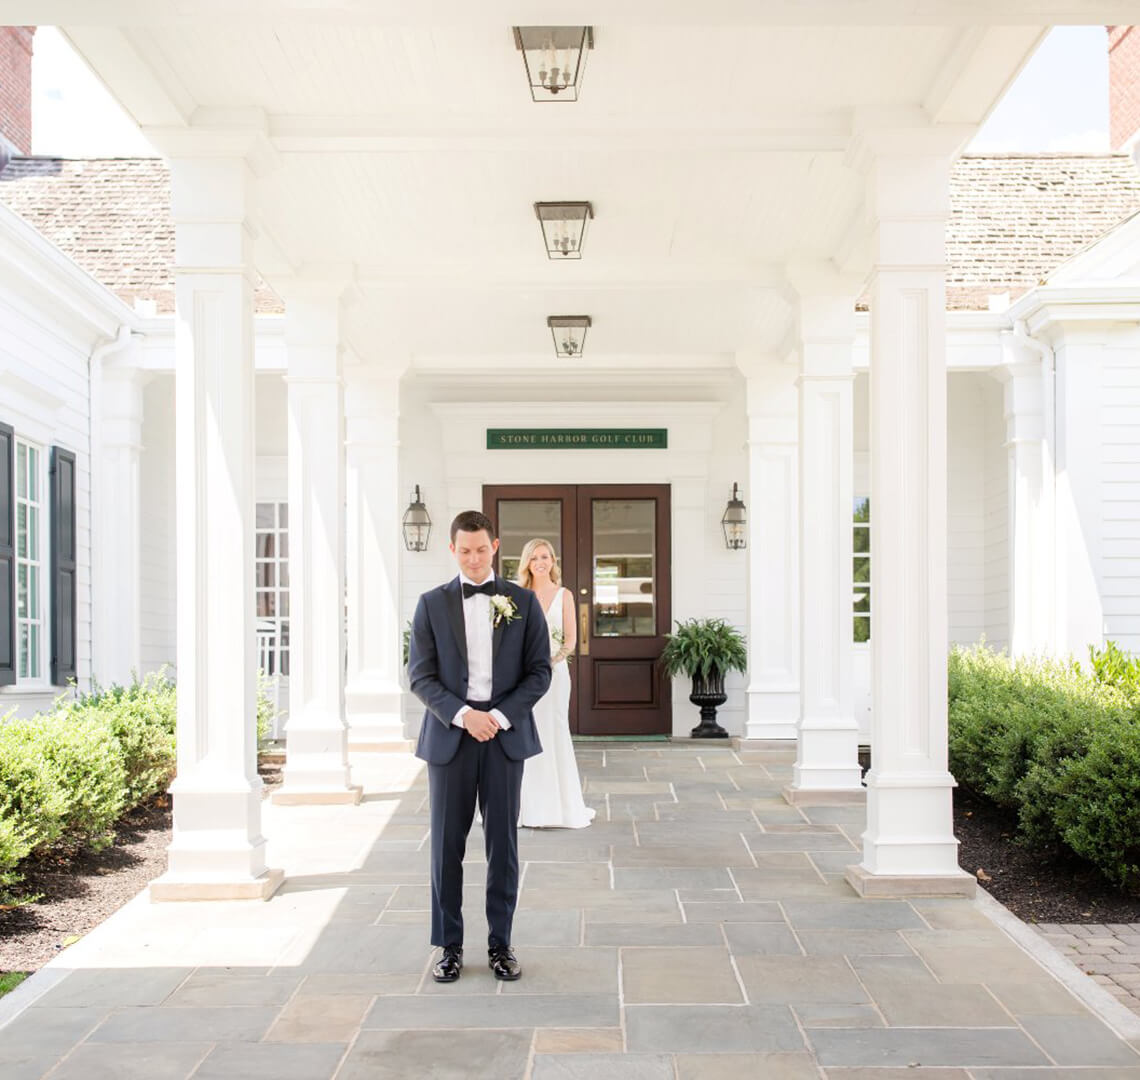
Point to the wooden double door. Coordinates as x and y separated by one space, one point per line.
613 549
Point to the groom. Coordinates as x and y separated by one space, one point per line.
479 659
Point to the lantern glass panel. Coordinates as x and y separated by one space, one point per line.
563 228
555 57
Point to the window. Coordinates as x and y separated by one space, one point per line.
30 575
861 576
271 583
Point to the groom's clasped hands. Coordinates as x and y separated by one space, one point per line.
481 725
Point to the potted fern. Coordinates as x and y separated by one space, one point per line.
706 650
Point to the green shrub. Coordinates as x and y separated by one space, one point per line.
66 777
1096 803
87 762
1007 716
32 798
1114 667
15 845
142 717
1059 744
266 711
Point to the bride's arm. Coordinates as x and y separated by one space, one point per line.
569 626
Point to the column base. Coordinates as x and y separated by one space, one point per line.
374 713
173 888
349 796
773 713
837 796
867 884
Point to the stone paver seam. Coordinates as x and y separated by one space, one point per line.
736 972
197 1065
867 990
791 928
621 997
349 1047
751 853
387 905
929 924
808 1047
528 1072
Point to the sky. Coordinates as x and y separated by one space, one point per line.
1059 102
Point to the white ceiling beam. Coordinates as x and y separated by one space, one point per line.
133 71
531 276
977 72
598 12
809 133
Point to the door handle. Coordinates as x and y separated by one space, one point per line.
584 630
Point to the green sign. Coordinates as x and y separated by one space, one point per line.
577 438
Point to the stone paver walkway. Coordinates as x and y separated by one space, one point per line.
700 929
1109 953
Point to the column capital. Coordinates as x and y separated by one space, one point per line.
247 141
895 134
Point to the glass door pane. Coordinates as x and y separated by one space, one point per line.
521 520
623 567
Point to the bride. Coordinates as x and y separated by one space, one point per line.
551 789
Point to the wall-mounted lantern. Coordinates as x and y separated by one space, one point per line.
417 524
734 523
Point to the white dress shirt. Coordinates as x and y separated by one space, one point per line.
478 630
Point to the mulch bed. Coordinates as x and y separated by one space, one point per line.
80 892
1038 887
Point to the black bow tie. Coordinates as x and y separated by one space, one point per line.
487 588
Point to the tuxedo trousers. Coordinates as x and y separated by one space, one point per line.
479 774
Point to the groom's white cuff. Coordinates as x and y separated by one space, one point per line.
457 720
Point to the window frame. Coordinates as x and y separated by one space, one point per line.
42 562
279 643
861 589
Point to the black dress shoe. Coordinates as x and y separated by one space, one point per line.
503 963
449 965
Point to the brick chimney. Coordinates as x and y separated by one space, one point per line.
15 90
1124 86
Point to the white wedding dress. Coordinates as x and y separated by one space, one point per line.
551 788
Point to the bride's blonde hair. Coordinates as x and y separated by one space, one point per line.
525 578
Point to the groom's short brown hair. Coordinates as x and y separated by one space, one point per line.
472 521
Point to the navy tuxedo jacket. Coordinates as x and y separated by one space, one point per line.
437 669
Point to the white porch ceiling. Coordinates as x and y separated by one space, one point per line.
405 151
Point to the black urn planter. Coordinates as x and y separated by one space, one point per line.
708 695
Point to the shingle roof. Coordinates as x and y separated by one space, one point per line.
1014 218
111 216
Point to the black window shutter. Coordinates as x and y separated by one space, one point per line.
7 555
63 578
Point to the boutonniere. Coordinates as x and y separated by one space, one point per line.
502 609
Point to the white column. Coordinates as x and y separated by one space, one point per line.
217 850
909 845
374 694
827 752
118 568
316 735
773 555
1031 503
